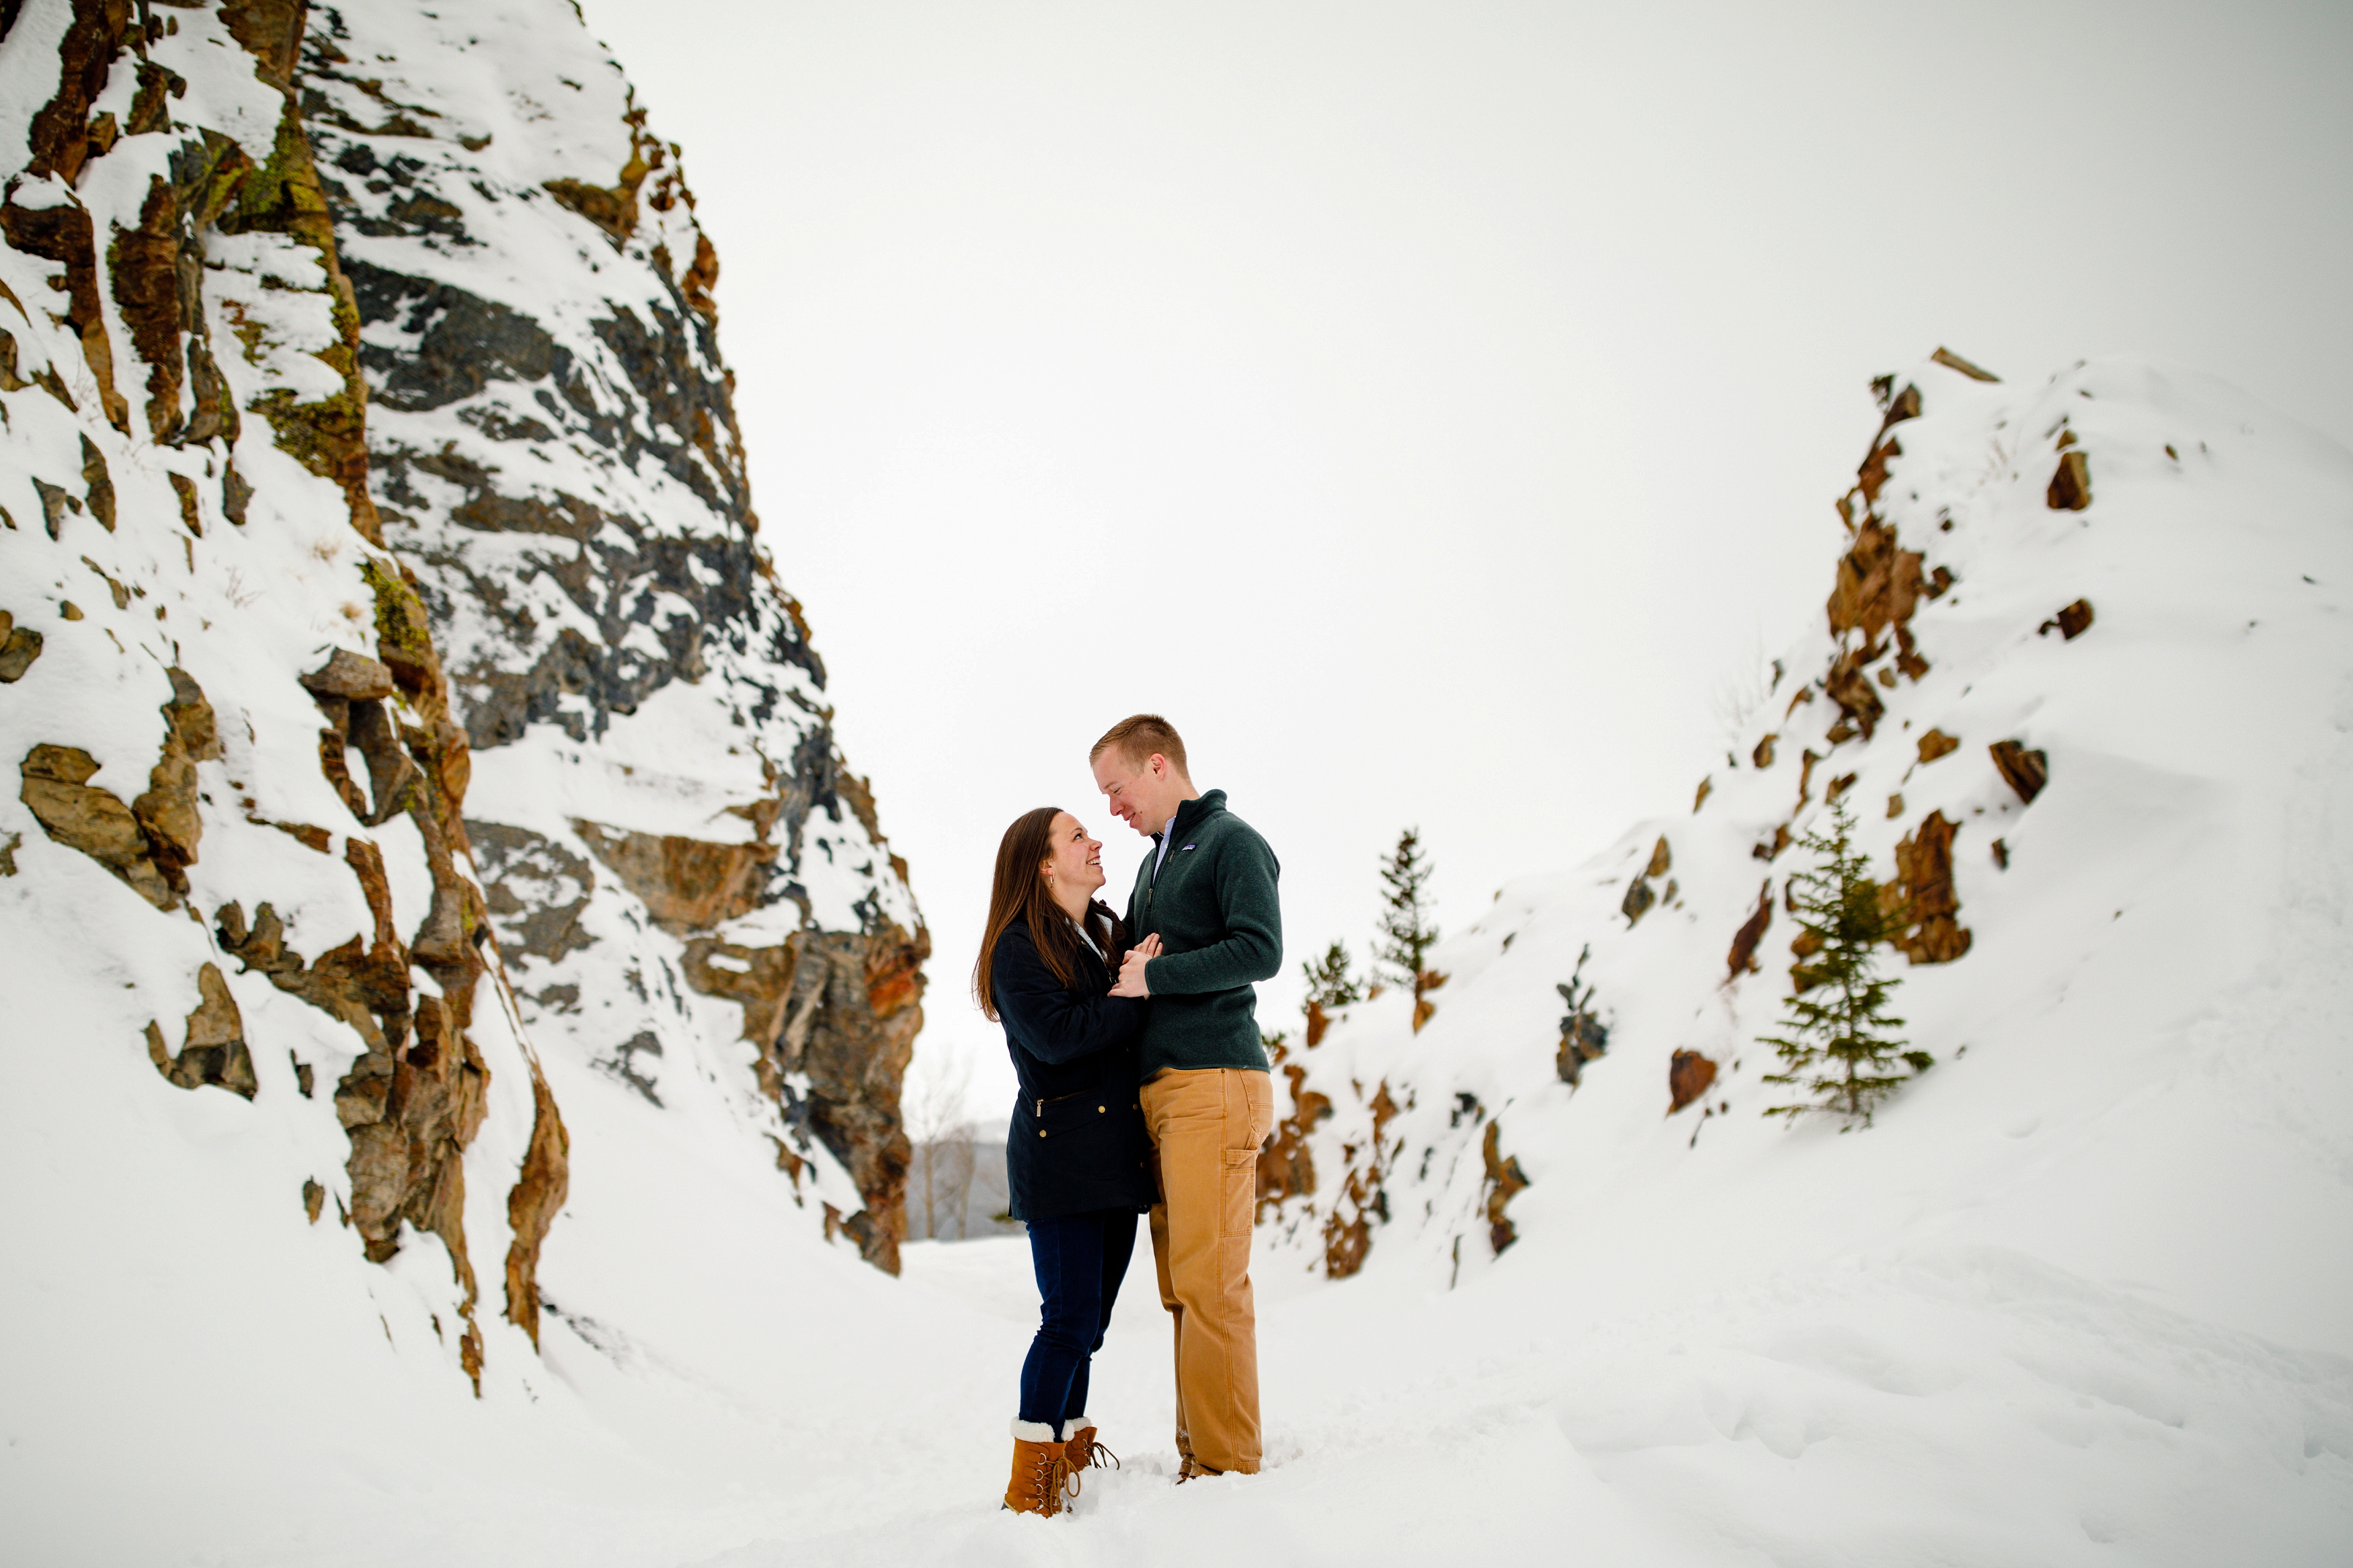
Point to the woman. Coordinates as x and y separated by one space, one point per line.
1075 1156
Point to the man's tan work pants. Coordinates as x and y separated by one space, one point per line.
1206 1128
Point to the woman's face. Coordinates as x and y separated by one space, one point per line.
1075 867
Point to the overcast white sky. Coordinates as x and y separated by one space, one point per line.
1426 406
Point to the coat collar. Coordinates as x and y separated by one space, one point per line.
1192 813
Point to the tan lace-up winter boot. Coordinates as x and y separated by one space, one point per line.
1080 1442
1041 1468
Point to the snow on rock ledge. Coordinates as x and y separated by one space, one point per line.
323 666
2084 675
691 889
207 651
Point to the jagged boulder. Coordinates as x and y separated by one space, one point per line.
213 1050
82 815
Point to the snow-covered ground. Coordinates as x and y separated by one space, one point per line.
1964 1404
2083 1294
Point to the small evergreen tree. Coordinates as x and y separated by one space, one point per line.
1407 932
1330 986
1838 1043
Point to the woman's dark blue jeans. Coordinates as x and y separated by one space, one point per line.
1079 1258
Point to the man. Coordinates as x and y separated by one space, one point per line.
1207 893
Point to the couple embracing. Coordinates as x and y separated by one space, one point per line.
1145 1089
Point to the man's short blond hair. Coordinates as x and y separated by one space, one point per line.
1135 738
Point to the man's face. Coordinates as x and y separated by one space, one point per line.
1140 793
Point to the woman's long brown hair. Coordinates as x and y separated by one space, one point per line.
1019 893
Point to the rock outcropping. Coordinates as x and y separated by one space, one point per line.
381 618
1384 1130
673 849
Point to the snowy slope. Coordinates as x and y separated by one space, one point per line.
2062 1269
2174 889
2079 1295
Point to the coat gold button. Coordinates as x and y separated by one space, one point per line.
1099 1109
1042 1132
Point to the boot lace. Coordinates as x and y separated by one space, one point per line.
1055 1481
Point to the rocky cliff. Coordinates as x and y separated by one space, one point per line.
401 706
2000 683
687 880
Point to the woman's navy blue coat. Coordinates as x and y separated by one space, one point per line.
1077 1141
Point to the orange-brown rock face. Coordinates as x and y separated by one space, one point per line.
532 1204
150 843
2071 483
1363 1199
1937 744
1878 586
1742 959
1505 1181
686 884
2072 621
1878 583
1920 906
86 816
2024 771
1689 1076
214 1050
832 1015
415 1098
1286 1169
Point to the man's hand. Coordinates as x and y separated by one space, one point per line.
1131 973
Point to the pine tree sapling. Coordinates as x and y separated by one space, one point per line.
1408 930
1329 987
1838 1045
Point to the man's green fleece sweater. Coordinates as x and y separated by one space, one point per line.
1214 908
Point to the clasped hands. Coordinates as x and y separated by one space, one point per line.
1130 970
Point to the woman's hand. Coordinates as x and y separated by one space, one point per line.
1131 972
